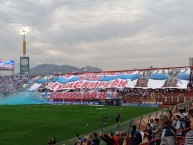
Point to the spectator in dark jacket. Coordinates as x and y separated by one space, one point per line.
109 139
96 140
136 137
189 135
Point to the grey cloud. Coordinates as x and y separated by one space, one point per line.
112 35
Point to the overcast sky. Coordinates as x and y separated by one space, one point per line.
109 34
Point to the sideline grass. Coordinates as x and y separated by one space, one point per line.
36 124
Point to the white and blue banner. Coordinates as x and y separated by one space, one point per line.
145 79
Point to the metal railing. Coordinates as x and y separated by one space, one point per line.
179 139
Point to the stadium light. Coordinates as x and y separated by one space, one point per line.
24 31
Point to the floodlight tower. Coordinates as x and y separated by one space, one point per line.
24 32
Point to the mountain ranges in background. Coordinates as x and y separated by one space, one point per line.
48 69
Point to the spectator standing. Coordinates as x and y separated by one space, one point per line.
168 132
187 122
189 135
136 137
116 138
157 130
96 140
149 132
109 139
178 126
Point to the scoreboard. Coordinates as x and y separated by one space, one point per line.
6 64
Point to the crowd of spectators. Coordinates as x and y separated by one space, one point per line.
171 125
12 84
143 93
117 138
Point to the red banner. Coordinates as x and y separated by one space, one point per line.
56 86
78 95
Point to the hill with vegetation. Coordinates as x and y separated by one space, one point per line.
47 69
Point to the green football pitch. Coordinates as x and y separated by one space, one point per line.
36 124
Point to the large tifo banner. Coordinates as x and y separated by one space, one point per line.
7 64
145 79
